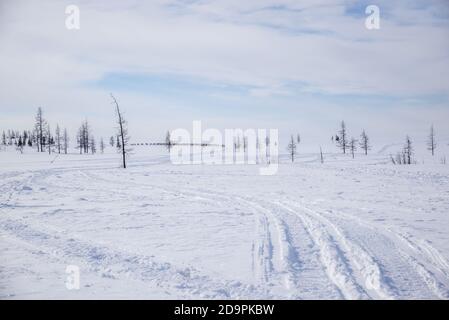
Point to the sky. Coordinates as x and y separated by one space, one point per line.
297 66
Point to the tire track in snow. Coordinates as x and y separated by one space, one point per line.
302 276
286 261
268 259
278 263
421 246
429 279
359 257
331 256
262 255
281 265
422 250
273 257
270 243
223 290
112 263
264 248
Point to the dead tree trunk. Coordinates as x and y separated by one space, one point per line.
122 131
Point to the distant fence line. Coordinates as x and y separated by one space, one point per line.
177 144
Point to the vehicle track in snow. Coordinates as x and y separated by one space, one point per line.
303 272
270 248
425 260
264 242
350 268
294 243
294 276
332 258
114 263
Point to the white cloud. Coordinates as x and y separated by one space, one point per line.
265 45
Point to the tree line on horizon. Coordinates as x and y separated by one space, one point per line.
341 139
350 144
44 139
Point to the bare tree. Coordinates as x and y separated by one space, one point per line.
19 144
353 146
431 144
122 131
40 129
65 139
168 141
321 155
93 145
24 137
86 136
408 151
267 146
392 159
298 140
343 139
364 142
58 138
31 138
48 138
237 143
112 141
292 148
79 139
102 145
245 144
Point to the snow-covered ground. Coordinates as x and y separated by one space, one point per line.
345 229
